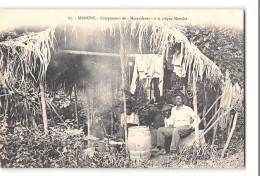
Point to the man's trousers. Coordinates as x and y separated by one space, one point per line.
176 133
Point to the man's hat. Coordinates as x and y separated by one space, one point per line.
184 98
166 107
179 94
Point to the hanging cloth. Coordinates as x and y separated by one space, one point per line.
178 67
148 66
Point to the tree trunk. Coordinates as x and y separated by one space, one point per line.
230 135
195 109
76 105
44 113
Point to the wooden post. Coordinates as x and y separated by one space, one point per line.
112 104
88 116
213 124
195 109
229 123
230 135
129 73
93 96
34 124
124 82
44 113
183 86
91 108
205 106
6 108
216 126
76 105
125 124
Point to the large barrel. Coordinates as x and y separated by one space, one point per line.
139 143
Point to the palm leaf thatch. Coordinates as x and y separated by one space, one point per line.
23 64
163 37
232 97
26 57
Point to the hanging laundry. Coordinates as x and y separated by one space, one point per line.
178 67
148 66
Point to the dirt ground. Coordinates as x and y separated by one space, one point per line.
230 162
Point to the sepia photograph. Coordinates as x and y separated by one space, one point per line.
160 88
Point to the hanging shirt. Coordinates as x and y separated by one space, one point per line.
148 66
178 67
182 116
133 119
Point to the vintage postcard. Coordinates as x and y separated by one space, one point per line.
122 88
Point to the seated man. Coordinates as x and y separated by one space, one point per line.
131 119
180 124
159 121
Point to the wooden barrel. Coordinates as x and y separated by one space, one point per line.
139 142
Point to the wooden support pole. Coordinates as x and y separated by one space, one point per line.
93 96
230 135
76 105
54 110
88 119
213 124
125 124
53 120
112 105
103 126
205 105
124 82
114 55
215 129
211 107
183 88
229 124
92 107
194 81
44 113
220 117
213 117
6 108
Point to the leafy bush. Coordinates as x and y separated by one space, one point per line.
65 148
31 148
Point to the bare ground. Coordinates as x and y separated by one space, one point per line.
235 161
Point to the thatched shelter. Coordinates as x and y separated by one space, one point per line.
24 60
